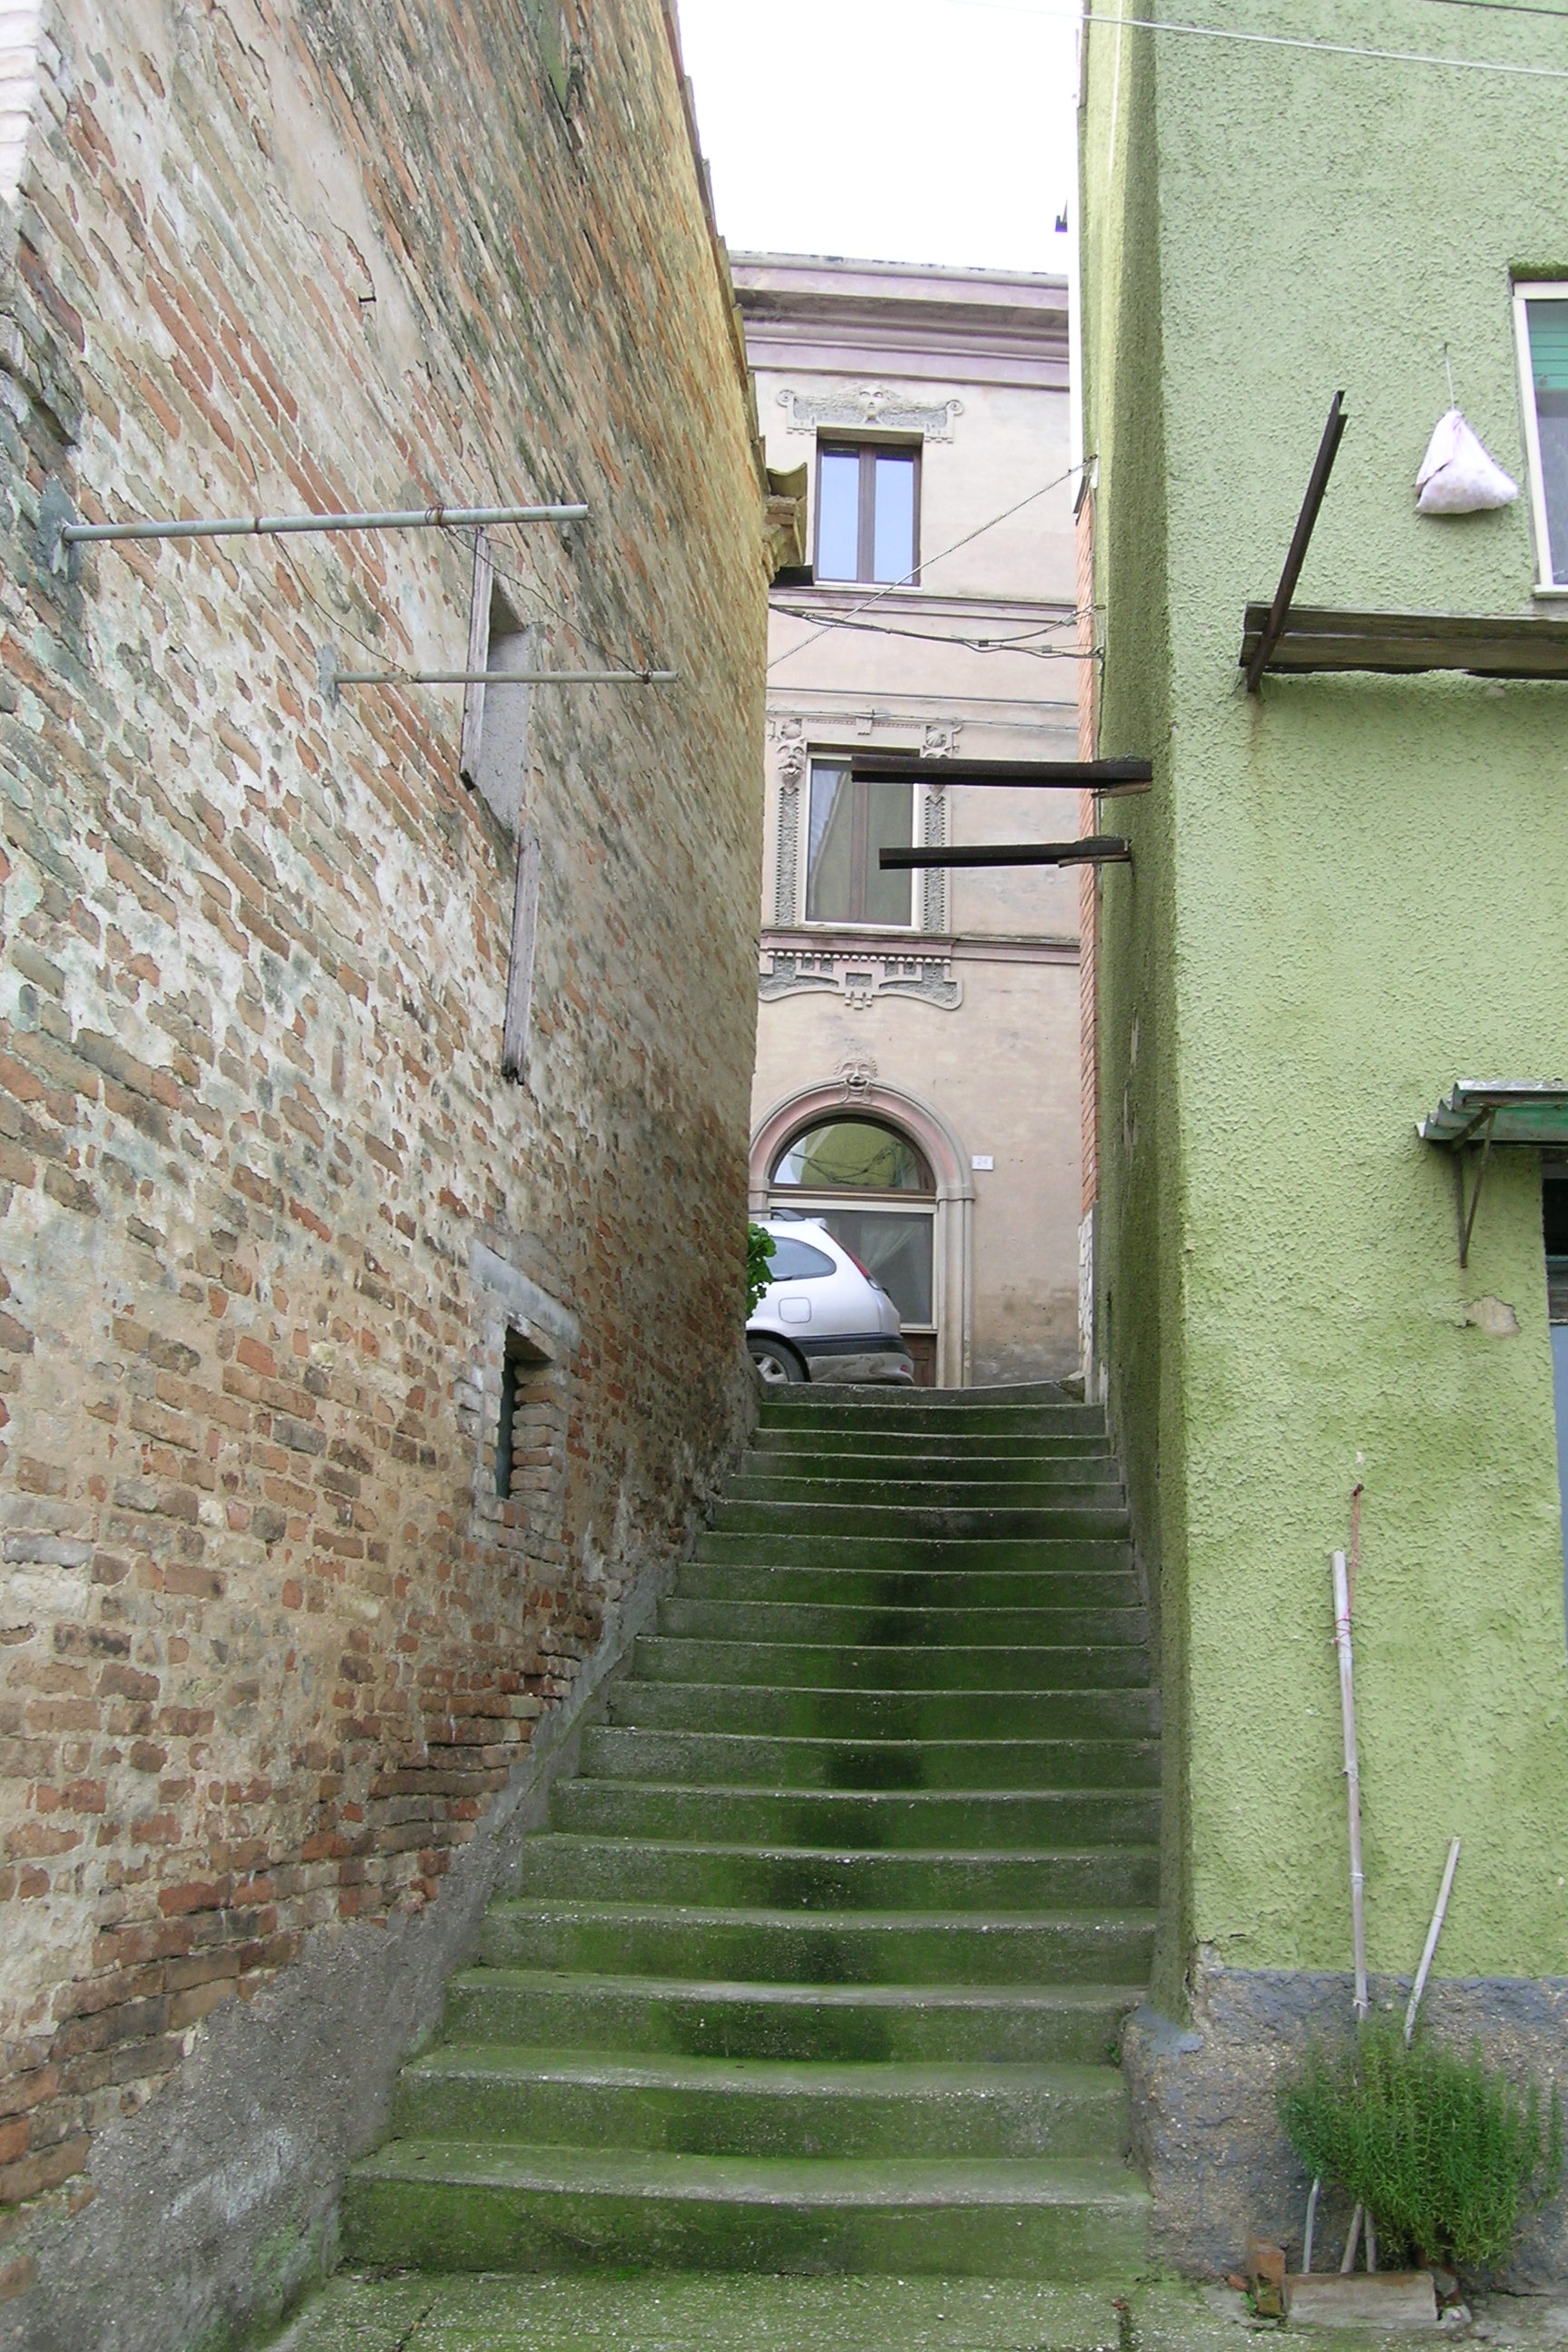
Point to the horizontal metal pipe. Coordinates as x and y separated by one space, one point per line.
76 534
506 678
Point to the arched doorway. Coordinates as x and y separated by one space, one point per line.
886 1178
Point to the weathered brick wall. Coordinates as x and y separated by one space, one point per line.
269 1638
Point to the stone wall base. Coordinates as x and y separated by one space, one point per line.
216 2203
1208 2135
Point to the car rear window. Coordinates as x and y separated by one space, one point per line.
798 1261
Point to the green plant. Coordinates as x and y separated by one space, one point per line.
759 1247
1444 2152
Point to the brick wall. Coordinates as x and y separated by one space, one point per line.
270 1638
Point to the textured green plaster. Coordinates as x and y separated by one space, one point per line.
1346 895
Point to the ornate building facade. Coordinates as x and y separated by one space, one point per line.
931 625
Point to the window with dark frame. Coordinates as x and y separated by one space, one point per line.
849 819
868 512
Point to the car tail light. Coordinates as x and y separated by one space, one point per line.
858 1266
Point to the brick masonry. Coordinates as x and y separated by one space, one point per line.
271 1641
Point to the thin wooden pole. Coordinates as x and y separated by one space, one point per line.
1352 1780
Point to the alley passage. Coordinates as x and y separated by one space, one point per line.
822 1961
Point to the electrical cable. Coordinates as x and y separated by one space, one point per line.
927 562
1293 40
960 645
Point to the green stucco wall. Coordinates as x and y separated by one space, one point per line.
1347 894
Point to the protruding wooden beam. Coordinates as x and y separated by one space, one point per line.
1093 849
1300 540
1080 775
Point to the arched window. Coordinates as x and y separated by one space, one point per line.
872 1188
856 1155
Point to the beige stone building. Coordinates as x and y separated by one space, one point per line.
918 1043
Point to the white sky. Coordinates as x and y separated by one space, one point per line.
888 129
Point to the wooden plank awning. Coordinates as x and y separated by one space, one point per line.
1482 1114
1404 643
1506 1110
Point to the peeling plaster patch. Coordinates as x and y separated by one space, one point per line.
1495 1317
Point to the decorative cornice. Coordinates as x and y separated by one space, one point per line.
870 407
861 980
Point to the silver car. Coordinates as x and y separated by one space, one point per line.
822 1317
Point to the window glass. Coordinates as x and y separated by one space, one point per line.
896 1251
838 514
830 846
893 535
849 820
890 816
1548 323
855 1154
798 1261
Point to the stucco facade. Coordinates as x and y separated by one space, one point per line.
1347 894
927 1023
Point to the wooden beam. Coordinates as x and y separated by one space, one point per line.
1105 776
1405 644
1300 540
1093 849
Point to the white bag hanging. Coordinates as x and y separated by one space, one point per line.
1457 476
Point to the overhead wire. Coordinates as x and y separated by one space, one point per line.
1298 41
838 620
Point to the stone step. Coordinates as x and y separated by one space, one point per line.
457 2205
560 1864
619 1750
1085 1511
986 1820
922 1487
849 1625
801 1946
944 1414
955 2024
776 2108
787 1667
1121 1713
911 1588
840 1450
787 1547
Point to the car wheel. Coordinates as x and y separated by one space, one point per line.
776 1360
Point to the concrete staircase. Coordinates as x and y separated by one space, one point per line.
821 1963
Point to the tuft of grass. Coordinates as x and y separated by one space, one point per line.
1444 2152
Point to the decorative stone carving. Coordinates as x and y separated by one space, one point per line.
941 738
861 981
856 1074
933 879
789 735
870 407
789 852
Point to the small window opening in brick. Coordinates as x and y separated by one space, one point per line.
529 1438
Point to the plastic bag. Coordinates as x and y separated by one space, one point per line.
1457 476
